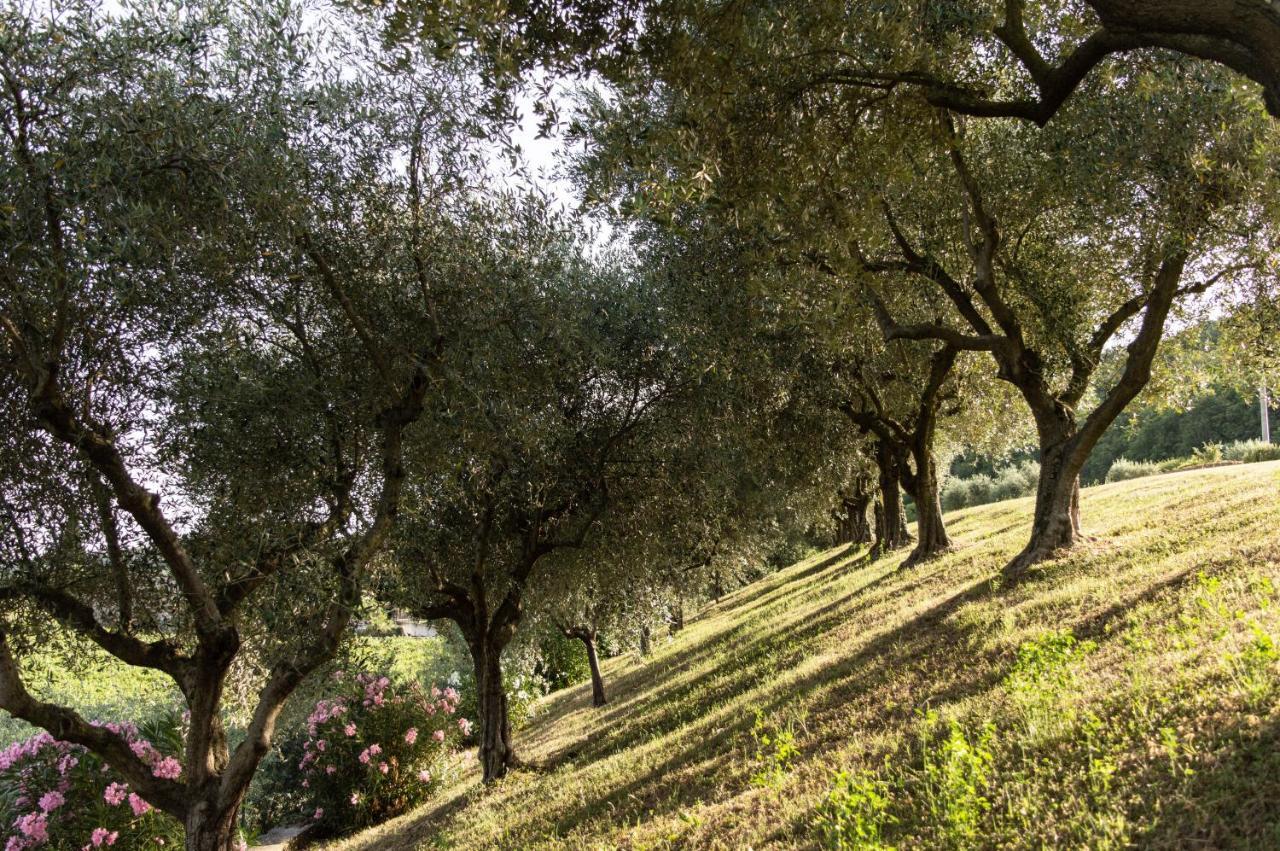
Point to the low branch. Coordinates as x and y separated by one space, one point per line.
66 725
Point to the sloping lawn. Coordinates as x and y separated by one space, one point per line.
1127 694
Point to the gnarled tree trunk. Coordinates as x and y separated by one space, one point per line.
210 827
1055 523
931 533
852 526
891 515
645 640
497 754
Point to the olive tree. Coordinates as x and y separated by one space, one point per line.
228 256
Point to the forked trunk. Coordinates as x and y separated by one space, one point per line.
1055 524
931 533
496 752
597 681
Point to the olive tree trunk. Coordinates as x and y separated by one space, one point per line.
1055 524
210 827
891 515
598 697
931 533
496 754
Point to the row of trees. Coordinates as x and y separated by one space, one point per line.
271 334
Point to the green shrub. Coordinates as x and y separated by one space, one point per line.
1012 482
1122 469
1016 481
1209 453
1251 451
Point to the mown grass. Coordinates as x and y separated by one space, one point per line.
1126 694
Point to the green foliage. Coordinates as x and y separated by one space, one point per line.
1251 451
1154 430
562 661
855 813
1122 469
1011 482
1209 452
956 769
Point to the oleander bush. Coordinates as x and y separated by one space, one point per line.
376 750
56 795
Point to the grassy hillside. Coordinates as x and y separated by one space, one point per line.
1126 695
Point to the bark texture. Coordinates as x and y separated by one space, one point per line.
496 754
891 514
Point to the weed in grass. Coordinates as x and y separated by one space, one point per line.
774 753
1042 683
1255 667
955 778
855 813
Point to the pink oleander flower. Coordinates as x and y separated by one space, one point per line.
465 726
330 769
438 735
167 769
318 814
383 767
15 843
139 806
34 826
355 798
424 776
364 756
51 800
411 735
350 729
375 749
321 745
101 836
115 794
306 784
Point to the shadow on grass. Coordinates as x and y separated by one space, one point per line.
653 793
1231 801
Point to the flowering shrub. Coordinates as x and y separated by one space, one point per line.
376 750
57 795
